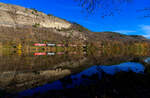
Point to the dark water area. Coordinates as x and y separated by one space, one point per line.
26 74
83 79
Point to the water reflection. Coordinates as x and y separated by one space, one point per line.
147 60
20 70
84 78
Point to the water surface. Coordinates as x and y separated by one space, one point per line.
41 71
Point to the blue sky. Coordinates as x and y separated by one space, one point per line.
129 21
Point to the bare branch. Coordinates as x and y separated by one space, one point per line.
91 5
108 7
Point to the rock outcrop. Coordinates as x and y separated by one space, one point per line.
12 15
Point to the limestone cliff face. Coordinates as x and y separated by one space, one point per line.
12 15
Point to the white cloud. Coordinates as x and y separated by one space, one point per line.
125 31
146 30
148 36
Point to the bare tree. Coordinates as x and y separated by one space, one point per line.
108 7
146 12
91 5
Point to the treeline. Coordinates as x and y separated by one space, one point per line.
111 48
25 37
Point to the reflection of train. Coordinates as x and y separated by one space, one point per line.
57 53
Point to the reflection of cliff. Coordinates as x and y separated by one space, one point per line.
31 63
17 81
119 80
71 64
18 77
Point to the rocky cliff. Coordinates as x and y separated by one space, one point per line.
12 15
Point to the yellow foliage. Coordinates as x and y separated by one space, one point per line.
19 52
19 46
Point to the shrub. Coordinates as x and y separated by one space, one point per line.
36 25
